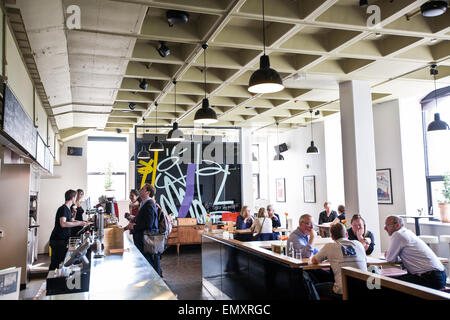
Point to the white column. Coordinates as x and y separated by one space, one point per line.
358 149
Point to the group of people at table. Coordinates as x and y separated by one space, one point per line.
349 248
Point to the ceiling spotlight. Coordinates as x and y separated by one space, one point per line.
163 50
143 84
177 17
363 3
433 8
119 130
378 35
132 105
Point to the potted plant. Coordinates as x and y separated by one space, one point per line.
108 178
444 206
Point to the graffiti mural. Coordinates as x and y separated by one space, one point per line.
193 178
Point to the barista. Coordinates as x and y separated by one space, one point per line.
59 238
78 216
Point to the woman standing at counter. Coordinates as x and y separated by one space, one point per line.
244 221
133 206
79 211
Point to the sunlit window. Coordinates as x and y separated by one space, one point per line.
107 166
437 149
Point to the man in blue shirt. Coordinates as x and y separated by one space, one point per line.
303 237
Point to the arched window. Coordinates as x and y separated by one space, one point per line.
437 146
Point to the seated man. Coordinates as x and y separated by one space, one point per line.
341 253
303 237
423 266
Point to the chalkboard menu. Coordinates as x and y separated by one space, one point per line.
17 124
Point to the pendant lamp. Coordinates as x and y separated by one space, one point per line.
437 124
278 156
312 148
156 145
205 115
175 134
143 154
265 79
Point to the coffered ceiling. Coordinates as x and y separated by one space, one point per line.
92 74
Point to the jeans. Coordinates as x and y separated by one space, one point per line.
433 279
59 250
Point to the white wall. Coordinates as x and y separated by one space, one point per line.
72 174
293 168
388 150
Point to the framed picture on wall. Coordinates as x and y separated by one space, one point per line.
281 190
309 189
384 186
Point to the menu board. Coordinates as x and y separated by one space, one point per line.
17 124
40 152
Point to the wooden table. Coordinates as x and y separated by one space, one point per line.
249 231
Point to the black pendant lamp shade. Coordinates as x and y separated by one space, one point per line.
437 124
312 149
175 134
156 145
265 79
433 8
143 154
205 115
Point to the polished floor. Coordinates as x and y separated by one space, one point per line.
183 275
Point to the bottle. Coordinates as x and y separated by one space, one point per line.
291 250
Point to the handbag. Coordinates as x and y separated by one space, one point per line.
154 243
255 237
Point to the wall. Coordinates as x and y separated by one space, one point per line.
72 174
293 168
388 150
14 199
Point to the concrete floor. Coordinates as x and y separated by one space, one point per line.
182 274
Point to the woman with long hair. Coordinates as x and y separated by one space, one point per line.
262 226
244 221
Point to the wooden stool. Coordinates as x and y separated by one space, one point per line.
446 239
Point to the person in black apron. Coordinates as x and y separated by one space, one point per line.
59 238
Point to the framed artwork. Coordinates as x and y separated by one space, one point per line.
281 190
309 189
384 186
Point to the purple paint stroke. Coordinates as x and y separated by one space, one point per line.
189 195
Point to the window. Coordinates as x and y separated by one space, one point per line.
437 151
107 166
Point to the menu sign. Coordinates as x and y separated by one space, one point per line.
17 124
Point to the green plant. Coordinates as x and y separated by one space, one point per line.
108 176
446 190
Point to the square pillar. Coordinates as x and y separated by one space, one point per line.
358 150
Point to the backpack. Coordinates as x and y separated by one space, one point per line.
164 224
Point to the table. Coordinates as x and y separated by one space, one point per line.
416 222
249 231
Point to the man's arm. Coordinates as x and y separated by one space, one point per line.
69 224
395 246
320 256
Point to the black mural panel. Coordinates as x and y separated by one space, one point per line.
192 178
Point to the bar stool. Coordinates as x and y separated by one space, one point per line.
431 241
446 239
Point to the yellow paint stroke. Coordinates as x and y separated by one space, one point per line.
146 170
155 166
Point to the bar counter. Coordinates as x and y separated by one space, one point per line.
122 277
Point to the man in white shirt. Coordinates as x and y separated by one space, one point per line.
341 253
423 266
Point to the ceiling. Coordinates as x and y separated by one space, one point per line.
91 75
